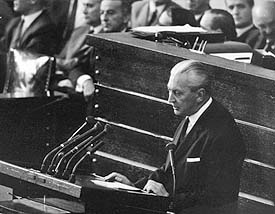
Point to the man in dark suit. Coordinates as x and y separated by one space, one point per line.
241 10
159 12
33 31
209 150
73 60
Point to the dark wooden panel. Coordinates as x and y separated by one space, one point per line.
258 181
158 117
145 68
31 127
259 143
136 147
139 112
105 166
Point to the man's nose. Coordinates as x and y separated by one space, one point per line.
171 98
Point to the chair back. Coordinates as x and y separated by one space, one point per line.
28 74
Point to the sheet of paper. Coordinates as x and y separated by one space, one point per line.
115 185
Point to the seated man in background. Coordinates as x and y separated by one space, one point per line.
33 31
160 12
198 7
219 20
73 60
209 150
114 15
264 19
241 10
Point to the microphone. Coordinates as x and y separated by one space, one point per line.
88 153
43 165
171 147
78 149
68 144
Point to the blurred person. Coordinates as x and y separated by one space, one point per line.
5 15
33 31
160 12
198 7
241 10
115 15
209 150
219 20
264 19
73 60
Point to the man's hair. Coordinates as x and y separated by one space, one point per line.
249 2
224 21
201 72
125 6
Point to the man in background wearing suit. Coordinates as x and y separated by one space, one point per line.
115 15
241 10
209 150
73 60
33 31
264 19
159 12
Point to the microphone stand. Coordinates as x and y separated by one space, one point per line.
60 153
88 120
78 149
88 153
171 147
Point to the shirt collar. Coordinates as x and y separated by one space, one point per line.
194 117
241 31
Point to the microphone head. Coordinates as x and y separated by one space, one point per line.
107 128
90 120
170 146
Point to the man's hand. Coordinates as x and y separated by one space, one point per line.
88 89
114 176
155 187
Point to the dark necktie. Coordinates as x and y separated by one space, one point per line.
15 42
153 18
183 131
70 19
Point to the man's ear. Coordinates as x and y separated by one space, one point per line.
201 93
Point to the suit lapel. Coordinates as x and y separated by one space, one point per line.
76 41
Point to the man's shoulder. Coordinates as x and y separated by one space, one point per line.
139 4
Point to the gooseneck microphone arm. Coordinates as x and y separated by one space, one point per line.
78 149
88 120
88 153
171 147
60 153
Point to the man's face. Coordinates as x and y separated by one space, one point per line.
241 12
22 6
111 16
183 100
91 9
266 24
195 5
